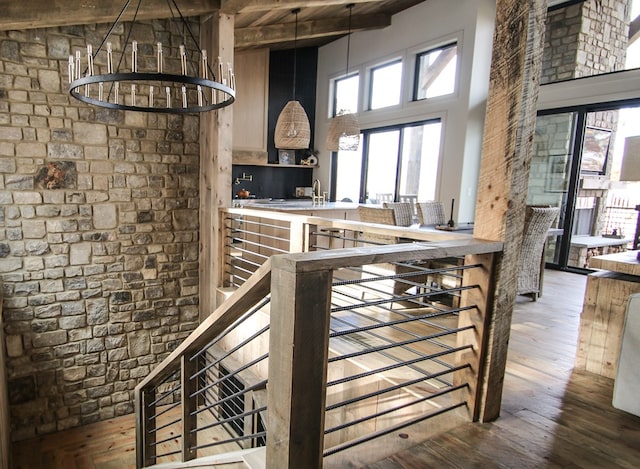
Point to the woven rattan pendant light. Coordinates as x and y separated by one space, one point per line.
292 128
344 129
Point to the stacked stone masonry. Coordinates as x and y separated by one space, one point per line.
98 236
585 39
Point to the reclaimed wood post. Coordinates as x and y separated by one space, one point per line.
189 402
481 296
297 238
506 155
216 35
298 350
145 426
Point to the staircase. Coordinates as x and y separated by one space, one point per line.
322 358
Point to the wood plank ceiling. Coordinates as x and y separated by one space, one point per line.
258 23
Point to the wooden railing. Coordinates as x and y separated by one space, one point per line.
252 236
328 355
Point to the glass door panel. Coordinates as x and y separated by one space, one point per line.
348 174
550 175
420 160
599 196
576 165
399 163
382 163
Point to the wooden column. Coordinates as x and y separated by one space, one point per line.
216 135
506 157
298 349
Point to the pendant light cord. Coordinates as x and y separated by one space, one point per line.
350 7
295 52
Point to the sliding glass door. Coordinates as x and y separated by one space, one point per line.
392 163
577 165
550 174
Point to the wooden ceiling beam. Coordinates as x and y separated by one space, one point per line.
30 14
245 6
263 36
634 29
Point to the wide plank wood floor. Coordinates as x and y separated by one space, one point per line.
551 416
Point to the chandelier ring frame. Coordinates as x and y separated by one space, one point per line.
74 90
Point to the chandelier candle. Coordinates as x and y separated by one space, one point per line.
140 69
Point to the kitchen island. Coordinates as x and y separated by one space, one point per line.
334 210
604 311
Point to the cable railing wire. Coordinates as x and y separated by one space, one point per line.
418 362
390 410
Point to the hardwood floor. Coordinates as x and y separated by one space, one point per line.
551 416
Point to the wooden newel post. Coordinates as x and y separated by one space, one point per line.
481 296
298 349
189 404
145 426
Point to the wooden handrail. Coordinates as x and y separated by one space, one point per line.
257 287
300 285
349 257
414 233
248 295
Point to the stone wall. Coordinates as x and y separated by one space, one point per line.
603 37
561 43
585 39
98 236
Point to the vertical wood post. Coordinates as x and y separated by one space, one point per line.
145 426
297 238
482 296
216 135
506 157
189 419
298 349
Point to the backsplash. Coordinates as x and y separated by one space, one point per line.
270 181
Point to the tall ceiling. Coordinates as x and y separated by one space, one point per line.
258 23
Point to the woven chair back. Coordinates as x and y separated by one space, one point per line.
402 211
383 216
431 213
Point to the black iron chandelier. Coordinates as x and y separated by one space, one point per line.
151 78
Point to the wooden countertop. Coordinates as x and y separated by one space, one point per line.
624 262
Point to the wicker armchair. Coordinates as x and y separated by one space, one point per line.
383 216
538 220
412 199
403 212
431 213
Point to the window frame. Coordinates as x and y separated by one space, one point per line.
369 82
333 107
416 69
365 138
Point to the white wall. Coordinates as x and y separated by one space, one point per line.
426 25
